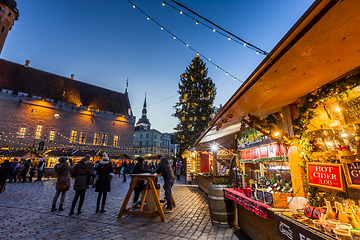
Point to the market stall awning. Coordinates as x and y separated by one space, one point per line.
15 153
320 48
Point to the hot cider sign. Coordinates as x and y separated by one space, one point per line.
326 175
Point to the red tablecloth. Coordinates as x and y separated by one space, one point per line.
254 206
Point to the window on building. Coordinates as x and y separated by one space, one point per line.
155 136
38 131
141 136
73 136
52 135
103 139
116 140
147 135
22 132
82 139
140 143
96 138
147 143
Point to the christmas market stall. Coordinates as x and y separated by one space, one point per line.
296 126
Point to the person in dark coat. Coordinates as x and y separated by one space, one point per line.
82 170
25 169
63 177
139 168
15 170
5 173
169 178
104 169
125 169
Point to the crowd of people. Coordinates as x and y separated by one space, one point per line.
87 174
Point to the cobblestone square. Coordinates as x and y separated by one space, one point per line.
25 214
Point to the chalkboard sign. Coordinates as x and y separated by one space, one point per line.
260 195
351 110
268 198
352 174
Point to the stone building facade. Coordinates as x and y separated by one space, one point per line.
38 106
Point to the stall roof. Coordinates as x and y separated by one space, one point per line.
321 47
62 152
82 153
118 156
17 153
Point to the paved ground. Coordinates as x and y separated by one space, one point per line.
25 214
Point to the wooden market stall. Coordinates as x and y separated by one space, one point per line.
309 85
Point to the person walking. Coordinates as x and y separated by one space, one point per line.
125 169
31 173
169 178
104 169
5 173
62 183
178 169
15 170
25 169
40 169
82 171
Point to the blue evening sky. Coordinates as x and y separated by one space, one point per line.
105 42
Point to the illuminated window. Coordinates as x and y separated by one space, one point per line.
38 131
52 135
82 139
116 140
96 138
103 139
22 132
73 136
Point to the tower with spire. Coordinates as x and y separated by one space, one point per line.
143 123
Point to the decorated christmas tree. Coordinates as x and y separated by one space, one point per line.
195 108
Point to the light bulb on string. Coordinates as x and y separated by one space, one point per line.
244 44
148 18
174 37
181 12
134 6
163 3
229 38
162 28
214 30
197 22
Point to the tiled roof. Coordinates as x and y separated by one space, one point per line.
19 78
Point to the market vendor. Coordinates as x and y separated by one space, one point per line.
224 169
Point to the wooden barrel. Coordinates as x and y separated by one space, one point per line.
222 210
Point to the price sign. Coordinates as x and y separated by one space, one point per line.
260 195
352 174
269 198
325 175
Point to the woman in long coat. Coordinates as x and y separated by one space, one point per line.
63 178
82 170
105 167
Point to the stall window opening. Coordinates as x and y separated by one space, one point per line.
52 135
82 139
38 131
22 132
73 136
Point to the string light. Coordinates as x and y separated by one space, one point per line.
187 45
224 32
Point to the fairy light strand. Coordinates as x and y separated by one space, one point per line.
187 45
235 38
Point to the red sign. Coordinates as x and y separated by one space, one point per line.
326 175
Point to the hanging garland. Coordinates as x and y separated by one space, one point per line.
338 90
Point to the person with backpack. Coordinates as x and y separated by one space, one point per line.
83 172
104 169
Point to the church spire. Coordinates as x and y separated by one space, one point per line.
144 123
